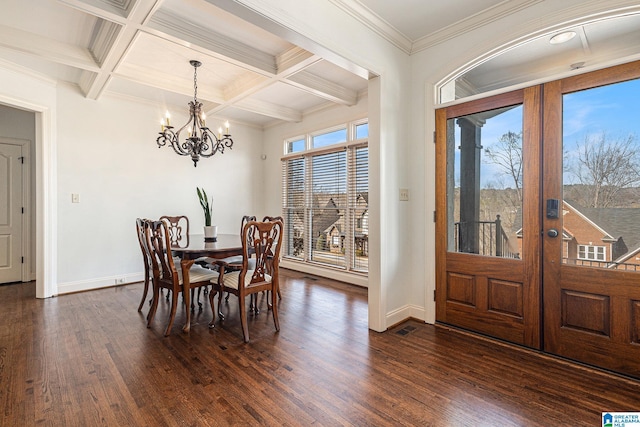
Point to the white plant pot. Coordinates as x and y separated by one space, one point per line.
210 231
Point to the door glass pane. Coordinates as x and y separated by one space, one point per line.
484 179
601 177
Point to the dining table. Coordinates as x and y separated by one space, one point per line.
225 245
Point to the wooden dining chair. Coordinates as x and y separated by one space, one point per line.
274 218
233 262
260 241
146 258
178 230
165 273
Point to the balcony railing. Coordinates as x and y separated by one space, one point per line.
602 264
484 238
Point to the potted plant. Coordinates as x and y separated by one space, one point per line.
210 231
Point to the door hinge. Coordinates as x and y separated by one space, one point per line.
21 159
434 216
434 294
22 209
22 260
434 136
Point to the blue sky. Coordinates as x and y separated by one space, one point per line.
614 109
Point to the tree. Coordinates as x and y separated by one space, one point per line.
604 167
507 155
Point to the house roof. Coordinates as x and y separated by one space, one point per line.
617 222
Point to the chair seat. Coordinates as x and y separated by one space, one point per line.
198 274
232 262
230 280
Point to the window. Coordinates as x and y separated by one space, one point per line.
295 146
592 253
329 138
325 198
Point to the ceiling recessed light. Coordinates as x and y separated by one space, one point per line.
577 65
562 37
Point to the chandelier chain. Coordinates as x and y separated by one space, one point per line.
195 84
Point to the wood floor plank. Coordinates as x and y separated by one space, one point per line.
88 359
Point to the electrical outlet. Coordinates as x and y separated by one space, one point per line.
119 280
75 198
404 194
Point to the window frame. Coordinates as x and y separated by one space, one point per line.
595 253
350 147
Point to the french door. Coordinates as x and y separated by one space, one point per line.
538 206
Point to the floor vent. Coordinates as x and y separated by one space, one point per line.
310 278
406 330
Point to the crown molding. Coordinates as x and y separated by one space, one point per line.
375 23
480 19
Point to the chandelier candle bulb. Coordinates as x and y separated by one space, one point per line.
226 125
219 133
168 116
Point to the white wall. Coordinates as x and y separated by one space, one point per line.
107 154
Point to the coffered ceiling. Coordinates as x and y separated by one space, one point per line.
142 48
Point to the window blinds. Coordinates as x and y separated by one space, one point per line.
325 206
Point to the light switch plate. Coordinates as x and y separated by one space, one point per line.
75 198
404 194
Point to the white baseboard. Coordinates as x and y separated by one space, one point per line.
403 313
104 282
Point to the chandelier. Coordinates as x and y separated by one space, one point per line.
200 140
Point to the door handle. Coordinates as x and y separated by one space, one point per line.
552 232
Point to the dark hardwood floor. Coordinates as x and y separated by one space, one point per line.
87 359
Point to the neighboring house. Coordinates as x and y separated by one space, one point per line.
329 223
599 237
603 237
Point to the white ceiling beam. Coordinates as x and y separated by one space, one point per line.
268 109
323 88
47 48
295 60
181 31
109 10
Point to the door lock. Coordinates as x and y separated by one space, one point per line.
552 232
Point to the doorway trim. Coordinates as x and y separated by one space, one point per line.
46 191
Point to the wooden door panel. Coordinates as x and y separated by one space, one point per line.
496 295
485 295
597 318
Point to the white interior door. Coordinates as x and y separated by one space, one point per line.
10 213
